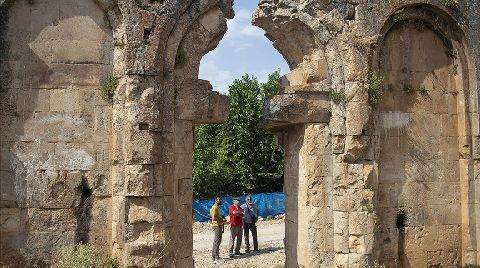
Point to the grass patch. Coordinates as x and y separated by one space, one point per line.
399 15
450 3
109 85
375 264
337 96
409 89
375 88
83 256
451 54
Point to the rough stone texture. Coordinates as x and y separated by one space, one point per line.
397 182
55 128
403 169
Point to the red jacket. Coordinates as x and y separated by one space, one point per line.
235 220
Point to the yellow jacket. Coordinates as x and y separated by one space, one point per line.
215 215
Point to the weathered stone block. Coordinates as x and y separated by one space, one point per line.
145 209
184 223
287 109
183 165
341 260
317 140
340 220
144 232
71 157
338 144
316 192
78 52
103 117
139 180
145 147
12 219
356 148
357 260
184 136
168 210
387 195
340 243
143 254
356 67
361 223
357 117
185 191
355 91
8 196
199 103
33 100
61 127
42 220
164 179
55 189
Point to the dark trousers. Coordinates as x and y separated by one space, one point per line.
235 234
252 228
217 230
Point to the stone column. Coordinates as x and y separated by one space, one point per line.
141 160
300 122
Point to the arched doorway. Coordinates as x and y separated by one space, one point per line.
423 127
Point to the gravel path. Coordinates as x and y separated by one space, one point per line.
270 240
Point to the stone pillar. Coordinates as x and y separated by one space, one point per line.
156 105
300 122
141 161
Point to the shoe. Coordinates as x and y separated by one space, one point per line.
230 256
247 251
215 261
256 251
238 253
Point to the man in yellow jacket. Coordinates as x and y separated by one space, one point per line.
217 222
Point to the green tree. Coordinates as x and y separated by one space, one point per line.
238 156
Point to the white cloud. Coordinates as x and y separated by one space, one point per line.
241 26
220 79
243 46
243 14
252 31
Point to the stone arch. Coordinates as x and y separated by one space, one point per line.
163 97
299 117
424 140
55 137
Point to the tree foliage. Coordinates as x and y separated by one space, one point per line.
238 156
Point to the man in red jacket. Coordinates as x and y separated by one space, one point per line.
236 223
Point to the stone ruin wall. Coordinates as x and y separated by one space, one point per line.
398 182
395 181
55 127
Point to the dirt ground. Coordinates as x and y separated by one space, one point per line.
270 240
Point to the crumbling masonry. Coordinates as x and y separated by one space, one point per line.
378 118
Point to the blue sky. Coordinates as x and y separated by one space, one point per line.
244 49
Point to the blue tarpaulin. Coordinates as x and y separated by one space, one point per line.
268 204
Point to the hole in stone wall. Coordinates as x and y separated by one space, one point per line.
143 126
401 220
146 33
83 213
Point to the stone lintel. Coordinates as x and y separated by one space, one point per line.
197 102
284 110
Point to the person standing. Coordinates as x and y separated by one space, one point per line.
236 222
217 222
250 217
